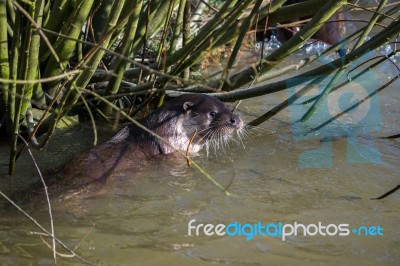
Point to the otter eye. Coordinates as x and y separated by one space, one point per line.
212 114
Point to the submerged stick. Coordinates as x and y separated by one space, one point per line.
44 229
387 193
392 136
47 198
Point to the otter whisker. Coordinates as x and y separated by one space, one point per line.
206 138
223 140
209 131
240 134
213 139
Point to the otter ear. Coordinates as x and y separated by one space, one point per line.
187 106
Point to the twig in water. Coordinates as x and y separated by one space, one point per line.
387 193
47 197
236 106
392 137
42 235
44 229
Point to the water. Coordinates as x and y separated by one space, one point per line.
141 217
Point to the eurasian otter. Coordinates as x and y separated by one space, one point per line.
190 118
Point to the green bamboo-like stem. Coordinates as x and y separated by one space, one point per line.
46 12
161 46
198 50
331 84
4 63
13 125
203 34
20 72
149 23
10 13
144 42
38 96
343 68
291 12
27 70
371 24
159 15
203 45
99 21
287 48
276 13
15 48
81 80
207 30
59 14
10 19
161 52
243 31
146 16
10 30
125 49
177 27
115 42
65 48
32 63
160 56
182 24
186 33
306 8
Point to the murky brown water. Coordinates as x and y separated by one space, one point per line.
142 217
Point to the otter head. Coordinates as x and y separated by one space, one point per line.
206 121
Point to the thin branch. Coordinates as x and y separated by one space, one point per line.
47 198
42 80
387 193
44 229
354 105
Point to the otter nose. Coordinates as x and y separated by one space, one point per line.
235 121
